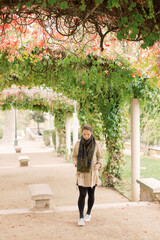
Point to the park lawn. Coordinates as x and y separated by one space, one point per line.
150 167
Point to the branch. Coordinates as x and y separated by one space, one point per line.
96 6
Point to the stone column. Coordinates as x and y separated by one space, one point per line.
75 128
57 140
9 127
68 135
51 127
50 121
135 149
15 138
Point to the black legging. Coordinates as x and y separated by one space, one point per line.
81 200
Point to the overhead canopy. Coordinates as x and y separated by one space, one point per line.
35 99
133 20
35 91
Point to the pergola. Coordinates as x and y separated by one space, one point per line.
100 17
135 129
51 96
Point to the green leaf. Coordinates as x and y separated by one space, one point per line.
39 1
139 18
156 36
63 5
113 3
52 2
109 4
143 45
83 7
29 4
144 33
133 5
44 4
120 35
149 40
18 5
135 30
98 1
122 21
132 36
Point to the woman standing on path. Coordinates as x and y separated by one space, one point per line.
87 159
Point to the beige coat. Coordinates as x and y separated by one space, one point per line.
92 178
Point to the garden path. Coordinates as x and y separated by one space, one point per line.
113 216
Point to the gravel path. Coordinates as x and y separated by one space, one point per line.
113 216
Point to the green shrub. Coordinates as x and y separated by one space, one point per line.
47 135
61 151
53 137
1 133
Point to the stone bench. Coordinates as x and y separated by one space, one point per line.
41 195
23 161
149 189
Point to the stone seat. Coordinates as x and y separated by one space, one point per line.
149 189
41 195
23 160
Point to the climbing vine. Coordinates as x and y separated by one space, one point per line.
77 19
101 87
58 109
21 101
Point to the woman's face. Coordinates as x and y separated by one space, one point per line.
86 134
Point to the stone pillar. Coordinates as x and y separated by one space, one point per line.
50 121
51 127
9 127
75 128
135 149
68 135
15 138
57 140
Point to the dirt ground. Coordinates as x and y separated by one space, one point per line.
116 220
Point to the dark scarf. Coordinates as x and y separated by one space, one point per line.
85 154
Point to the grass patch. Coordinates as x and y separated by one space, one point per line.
150 167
